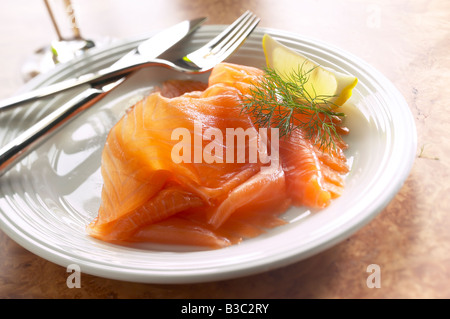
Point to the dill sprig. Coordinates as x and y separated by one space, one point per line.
289 102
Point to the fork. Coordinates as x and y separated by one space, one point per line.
199 61
219 48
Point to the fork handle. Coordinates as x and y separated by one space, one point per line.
19 147
93 79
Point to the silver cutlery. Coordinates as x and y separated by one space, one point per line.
201 60
146 51
145 55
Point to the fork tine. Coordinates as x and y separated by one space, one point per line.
220 47
223 45
236 38
219 38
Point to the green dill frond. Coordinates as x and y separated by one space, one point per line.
283 102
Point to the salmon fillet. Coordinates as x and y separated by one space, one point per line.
151 193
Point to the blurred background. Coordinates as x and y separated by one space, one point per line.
353 25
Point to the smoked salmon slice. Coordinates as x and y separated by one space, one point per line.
313 177
174 88
158 190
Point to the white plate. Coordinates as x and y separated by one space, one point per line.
47 200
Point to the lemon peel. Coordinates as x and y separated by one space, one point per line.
322 81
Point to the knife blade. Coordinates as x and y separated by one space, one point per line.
147 50
19 147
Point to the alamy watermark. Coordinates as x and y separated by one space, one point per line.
235 146
374 279
74 279
374 16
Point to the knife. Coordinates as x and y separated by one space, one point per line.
145 51
19 147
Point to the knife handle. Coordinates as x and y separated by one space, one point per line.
19 147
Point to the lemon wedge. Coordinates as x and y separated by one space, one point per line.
322 81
